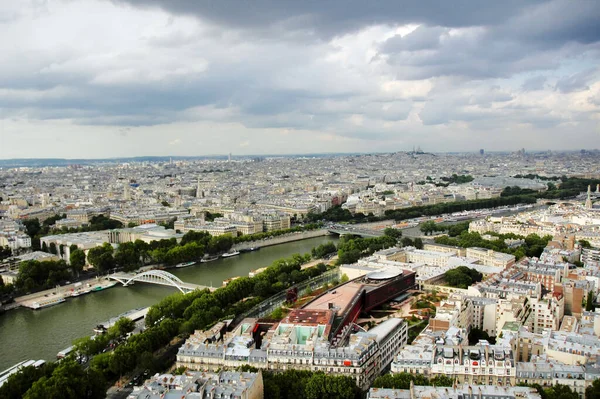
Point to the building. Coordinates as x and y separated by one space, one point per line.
14 241
448 353
465 391
202 385
321 336
488 257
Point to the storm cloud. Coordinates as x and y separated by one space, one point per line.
196 78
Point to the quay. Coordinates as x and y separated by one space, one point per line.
36 300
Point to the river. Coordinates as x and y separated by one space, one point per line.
28 334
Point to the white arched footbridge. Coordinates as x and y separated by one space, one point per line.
159 277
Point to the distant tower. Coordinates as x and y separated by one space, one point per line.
199 193
126 192
588 201
229 159
481 152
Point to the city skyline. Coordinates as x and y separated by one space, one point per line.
105 79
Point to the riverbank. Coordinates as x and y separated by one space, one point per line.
28 334
297 236
60 292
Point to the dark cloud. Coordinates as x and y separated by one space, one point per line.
287 64
335 17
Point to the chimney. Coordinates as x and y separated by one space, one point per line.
486 355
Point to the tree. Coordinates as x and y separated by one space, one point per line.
593 391
394 233
585 244
428 227
321 386
5 252
69 380
123 326
323 250
127 256
477 334
462 277
77 260
589 302
18 383
418 243
102 257
407 242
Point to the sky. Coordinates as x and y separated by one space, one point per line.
115 78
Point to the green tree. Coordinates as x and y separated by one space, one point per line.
321 386
101 257
593 391
462 277
5 252
18 383
53 248
77 260
394 233
407 242
477 334
68 381
589 302
418 243
127 256
428 227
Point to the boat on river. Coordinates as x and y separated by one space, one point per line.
184 264
208 259
45 303
230 254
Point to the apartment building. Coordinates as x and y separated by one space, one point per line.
447 353
464 391
195 385
488 257
300 341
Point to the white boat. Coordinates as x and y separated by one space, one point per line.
81 292
184 264
65 352
47 303
229 254
209 259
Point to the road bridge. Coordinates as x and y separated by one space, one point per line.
159 277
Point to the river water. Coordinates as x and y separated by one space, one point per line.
27 334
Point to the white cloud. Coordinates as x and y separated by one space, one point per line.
80 70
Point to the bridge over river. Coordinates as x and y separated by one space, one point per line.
159 277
